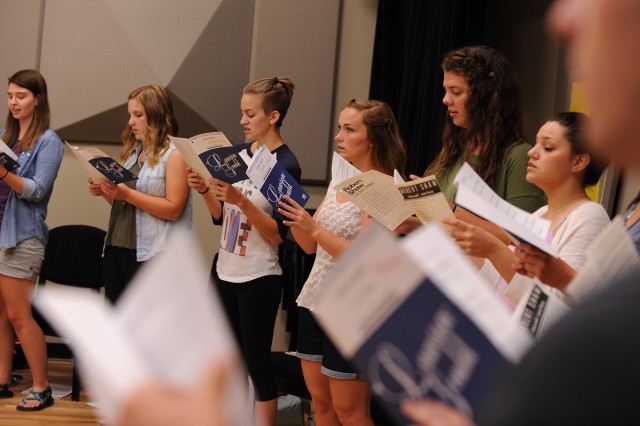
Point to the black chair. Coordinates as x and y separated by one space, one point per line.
73 257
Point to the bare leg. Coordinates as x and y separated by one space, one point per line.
351 401
6 345
318 385
266 412
17 295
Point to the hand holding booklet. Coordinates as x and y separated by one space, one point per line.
167 327
391 203
477 197
100 166
8 158
212 156
273 180
415 317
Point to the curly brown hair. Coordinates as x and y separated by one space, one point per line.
493 108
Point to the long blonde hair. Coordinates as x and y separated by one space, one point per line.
33 81
157 106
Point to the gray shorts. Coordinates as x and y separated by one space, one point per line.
23 261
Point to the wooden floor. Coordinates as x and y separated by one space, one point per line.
63 412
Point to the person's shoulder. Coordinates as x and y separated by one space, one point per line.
50 134
591 209
283 151
49 138
518 150
286 157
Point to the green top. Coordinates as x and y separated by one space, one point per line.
122 222
510 182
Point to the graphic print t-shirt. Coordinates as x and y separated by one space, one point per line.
244 253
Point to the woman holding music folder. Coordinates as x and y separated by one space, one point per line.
561 165
24 195
246 270
484 126
368 138
143 210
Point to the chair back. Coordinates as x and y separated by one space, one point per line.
73 256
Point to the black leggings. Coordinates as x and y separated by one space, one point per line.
119 265
252 307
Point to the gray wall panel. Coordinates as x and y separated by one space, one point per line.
18 42
298 38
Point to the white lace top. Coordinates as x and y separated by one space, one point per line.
344 220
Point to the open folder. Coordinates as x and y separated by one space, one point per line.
476 196
416 318
168 326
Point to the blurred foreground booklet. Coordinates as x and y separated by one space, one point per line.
417 320
168 326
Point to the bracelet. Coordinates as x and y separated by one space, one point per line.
205 191
5 175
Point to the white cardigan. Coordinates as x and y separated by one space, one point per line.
571 238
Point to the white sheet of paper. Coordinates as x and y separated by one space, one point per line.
426 199
5 148
457 277
609 257
341 169
109 363
164 293
375 193
489 206
261 165
356 297
397 178
168 325
540 314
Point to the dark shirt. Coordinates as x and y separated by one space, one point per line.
584 371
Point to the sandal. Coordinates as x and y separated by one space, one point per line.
5 389
44 399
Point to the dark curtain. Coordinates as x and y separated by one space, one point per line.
411 39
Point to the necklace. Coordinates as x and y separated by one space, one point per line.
549 213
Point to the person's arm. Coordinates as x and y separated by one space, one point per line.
169 207
300 223
263 223
495 230
96 190
477 242
553 271
329 241
198 183
47 163
572 240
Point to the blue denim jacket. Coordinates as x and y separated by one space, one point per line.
151 231
24 215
